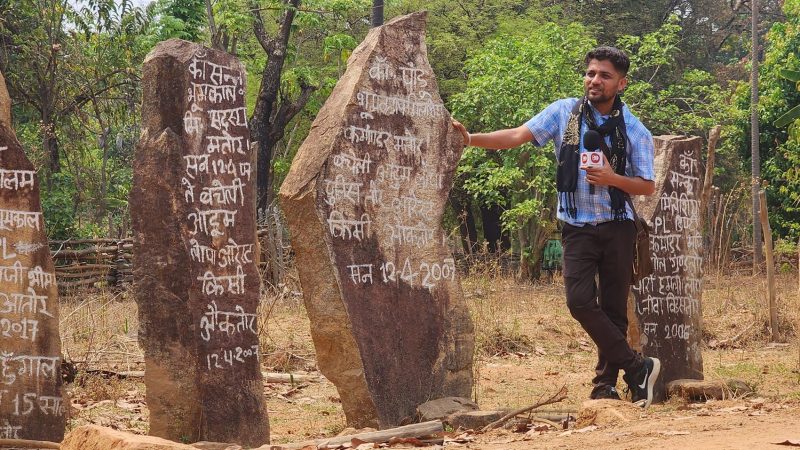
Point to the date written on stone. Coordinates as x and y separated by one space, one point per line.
425 274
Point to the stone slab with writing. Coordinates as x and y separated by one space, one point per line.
193 215
32 405
665 314
364 201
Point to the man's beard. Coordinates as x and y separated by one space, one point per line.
602 97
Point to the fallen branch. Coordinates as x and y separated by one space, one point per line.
556 418
91 241
557 397
416 430
295 389
269 377
24 443
730 342
546 422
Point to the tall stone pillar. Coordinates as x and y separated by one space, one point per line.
193 213
32 405
364 201
666 317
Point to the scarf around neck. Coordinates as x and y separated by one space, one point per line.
569 155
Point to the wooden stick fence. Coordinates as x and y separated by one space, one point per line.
108 263
92 263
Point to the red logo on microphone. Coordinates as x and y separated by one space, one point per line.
595 158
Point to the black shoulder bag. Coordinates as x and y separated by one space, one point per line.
642 266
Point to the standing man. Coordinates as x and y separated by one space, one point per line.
598 232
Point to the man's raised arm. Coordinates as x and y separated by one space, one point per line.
496 140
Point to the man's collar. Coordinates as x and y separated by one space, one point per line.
596 112
604 116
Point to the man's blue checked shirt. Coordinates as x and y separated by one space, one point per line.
551 123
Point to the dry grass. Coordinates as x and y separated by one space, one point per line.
99 331
736 307
527 343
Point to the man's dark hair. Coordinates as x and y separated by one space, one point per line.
617 57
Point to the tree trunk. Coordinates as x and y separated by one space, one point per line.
101 210
267 99
273 111
755 163
377 13
50 142
524 262
493 229
462 206
539 236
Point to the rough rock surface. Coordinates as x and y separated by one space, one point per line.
364 201
93 437
474 420
606 412
193 215
708 389
5 104
443 407
666 315
32 405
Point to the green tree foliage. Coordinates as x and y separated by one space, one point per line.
791 118
457 28
692 104
182 19
73 73
294 52
781 155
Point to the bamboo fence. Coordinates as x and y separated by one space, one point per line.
92 263
108 263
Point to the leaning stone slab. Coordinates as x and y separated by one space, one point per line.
666 315
364 201
193 215
32 405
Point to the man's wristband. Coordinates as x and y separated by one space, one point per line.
469 139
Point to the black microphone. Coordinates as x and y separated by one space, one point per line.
591 142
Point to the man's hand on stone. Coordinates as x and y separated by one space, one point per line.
463 130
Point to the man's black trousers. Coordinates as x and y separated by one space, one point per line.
605 250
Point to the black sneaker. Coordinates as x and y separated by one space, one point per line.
641 383
604 391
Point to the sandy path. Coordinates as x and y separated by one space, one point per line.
725 428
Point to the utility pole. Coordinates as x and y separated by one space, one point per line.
755 155
377 13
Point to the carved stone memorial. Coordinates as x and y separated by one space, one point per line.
32 405
193 215
666 315
364 201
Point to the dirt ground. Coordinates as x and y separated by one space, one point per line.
528 347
